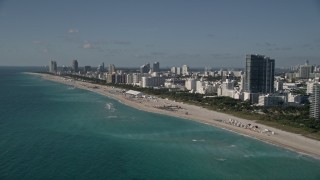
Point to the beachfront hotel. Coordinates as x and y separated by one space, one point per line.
315 102
53 67
259 74
75 66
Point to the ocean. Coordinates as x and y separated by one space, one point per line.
53 131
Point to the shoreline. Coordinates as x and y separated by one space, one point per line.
273 136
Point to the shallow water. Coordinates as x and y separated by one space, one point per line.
51 131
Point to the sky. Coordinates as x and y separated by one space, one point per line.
129 33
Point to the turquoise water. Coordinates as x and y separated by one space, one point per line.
51 131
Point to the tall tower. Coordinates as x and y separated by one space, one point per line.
75 65
53 67
174 70
145 68
305 70
315 102
101 67
156 67
259 74
112 69
178 71
185 70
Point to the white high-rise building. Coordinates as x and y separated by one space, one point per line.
112 69
178 72
305 71
200 87
136 78
152 82
174 70
310 86
185 70
315 102
190 84
129 79
227 88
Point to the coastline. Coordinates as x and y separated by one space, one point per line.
291 141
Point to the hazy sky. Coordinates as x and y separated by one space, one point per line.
174 32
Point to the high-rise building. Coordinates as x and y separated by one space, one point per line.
136 77
75 65
190 84
129 79
305 70
152 82
112 69
178 71
101 68
156 67
315 102
120 78
87 68
174 70
110 78
310 86
53 67
145 68
227 88
185 70
259 74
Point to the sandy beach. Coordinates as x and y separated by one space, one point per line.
249 128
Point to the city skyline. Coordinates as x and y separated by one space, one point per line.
125 33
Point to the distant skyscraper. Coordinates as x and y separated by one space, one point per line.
87 68
145 68
185 70
111 78
259 74
75 65
53 67
156 67
112 69
305 70
178 71
315 102
101 68
174 70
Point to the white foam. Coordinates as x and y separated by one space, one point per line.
195 140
